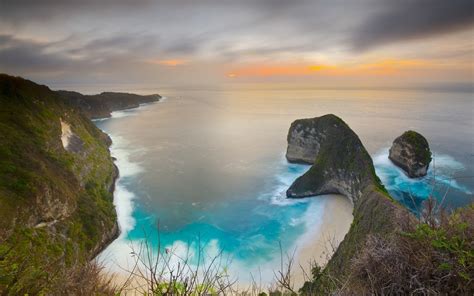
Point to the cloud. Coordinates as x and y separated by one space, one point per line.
117 37
20 54
409 19
19 11
169 63
115 56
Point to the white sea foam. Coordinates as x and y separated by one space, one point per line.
312 219
113 255
442 171
290 173
132 111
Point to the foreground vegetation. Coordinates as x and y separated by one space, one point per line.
55 205
431 255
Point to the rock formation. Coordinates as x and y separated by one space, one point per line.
411 152
342 165
304 140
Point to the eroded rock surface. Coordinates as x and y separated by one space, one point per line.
341 163
411 152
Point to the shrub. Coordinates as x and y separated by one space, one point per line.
433 255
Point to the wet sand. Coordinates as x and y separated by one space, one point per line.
319 245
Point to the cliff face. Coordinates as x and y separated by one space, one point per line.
342 165
411 152
304 139
102 105
56 188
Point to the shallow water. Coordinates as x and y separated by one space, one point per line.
209 166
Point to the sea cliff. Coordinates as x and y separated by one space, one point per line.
56 187
103 104
342 165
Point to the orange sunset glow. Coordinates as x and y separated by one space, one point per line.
170 63
382 67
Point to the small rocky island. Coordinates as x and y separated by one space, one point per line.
411 152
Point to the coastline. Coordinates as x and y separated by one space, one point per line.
317 245
313 246
117 230
320 244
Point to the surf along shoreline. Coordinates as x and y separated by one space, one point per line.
316 244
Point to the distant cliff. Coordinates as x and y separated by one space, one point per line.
102 105
342 165
56 186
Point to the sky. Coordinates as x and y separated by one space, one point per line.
319 43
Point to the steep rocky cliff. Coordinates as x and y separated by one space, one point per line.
56 188
342 165
304 138
411 152
102 105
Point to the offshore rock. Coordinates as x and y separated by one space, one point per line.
341 163
411 152
343 166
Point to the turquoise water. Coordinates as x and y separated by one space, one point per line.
444 180
208 166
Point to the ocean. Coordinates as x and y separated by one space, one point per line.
206 169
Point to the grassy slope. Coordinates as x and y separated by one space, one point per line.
41 182
101 105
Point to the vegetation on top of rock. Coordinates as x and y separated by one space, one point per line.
419 143
305 137
411 152
103 104
56 205
432 255
342 165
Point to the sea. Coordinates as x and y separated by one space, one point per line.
203 172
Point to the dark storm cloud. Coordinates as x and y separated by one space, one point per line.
359 24
26 54
17 11
409 19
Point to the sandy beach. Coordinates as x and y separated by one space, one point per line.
316 245
319 245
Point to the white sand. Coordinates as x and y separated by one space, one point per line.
337 219
318 244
